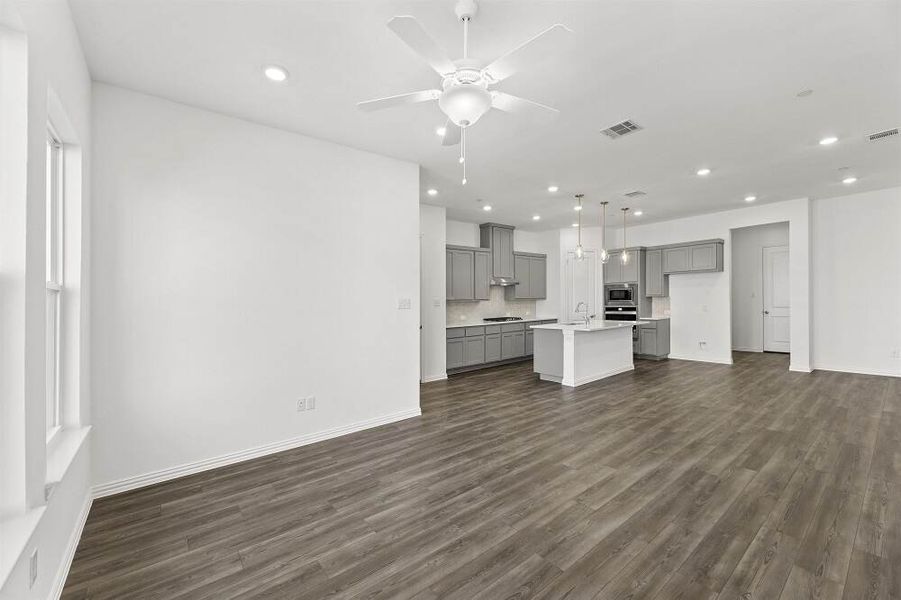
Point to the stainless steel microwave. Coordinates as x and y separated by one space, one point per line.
620 294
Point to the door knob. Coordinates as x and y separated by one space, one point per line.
766 312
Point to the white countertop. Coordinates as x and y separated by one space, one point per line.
480 322
655 318
594 326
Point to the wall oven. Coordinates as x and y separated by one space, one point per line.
619 295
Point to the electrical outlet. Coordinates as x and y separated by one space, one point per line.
896 353
404 303
33 568
702 345
305 404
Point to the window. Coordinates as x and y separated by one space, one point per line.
54 268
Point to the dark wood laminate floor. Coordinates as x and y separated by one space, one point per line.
678 480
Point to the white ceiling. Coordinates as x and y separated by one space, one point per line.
713 83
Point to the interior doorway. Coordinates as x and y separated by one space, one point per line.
761 289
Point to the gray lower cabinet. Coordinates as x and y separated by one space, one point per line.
473 350
475 345
455 353
654 339
513 344
492 347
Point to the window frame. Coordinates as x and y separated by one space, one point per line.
55 210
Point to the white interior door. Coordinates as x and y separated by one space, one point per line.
581 284
776 303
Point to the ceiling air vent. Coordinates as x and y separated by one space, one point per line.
621 129
634 194
882 134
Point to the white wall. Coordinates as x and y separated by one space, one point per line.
747 282
700 303
239 268
41 33
857 282
432 282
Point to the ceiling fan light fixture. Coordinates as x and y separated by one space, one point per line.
441 131
464 104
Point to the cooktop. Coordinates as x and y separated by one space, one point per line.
499 319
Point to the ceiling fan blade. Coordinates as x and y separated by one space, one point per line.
451 134
527 53
399 100
521 106
413 35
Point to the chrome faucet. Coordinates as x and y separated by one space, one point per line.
587 317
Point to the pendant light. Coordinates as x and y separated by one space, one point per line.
580 252
605 256
624 257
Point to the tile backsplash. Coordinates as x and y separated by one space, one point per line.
660 307
496 306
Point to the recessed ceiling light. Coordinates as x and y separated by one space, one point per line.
826 141
704 171
432 192
486 207
536 217
441 131
638 213
849 180
804 93
275 73
750 198
577 207
575 224
552 188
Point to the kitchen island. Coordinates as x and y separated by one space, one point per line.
574 354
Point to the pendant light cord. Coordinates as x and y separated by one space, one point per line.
463 152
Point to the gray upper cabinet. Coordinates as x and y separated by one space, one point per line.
499 239
675 260
461 285
617 272
655 283
703 257
629 269
613 271
467 275
693 257
482 274
530 271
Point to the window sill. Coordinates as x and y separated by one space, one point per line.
61 452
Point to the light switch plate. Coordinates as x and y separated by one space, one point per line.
404 303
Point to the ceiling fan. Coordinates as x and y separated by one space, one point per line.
465 95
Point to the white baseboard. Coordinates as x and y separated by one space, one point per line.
138 481
63 573
746 349
718 361
797 368
857 370
432 378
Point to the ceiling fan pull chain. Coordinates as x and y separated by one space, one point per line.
463 152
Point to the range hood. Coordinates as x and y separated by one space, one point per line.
499 239
503 281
